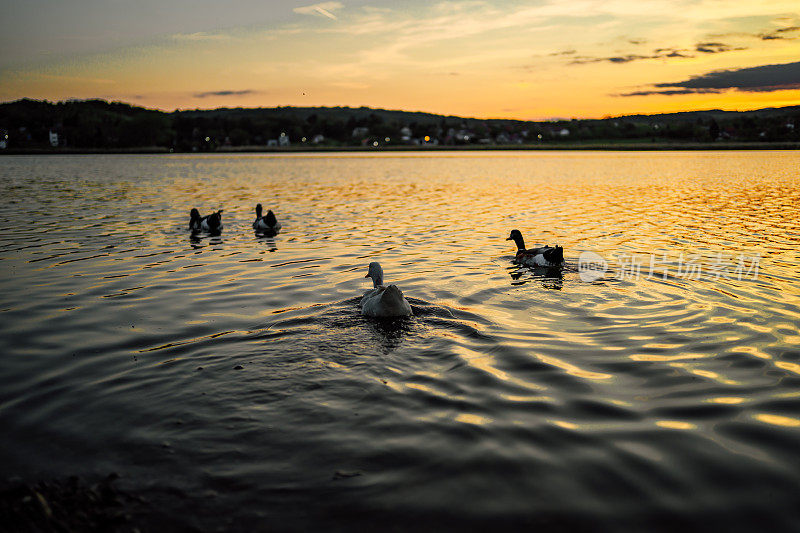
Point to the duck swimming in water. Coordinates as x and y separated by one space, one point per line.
383 301
212 222
266 224
545 256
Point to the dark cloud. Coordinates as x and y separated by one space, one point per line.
767 35
612 59
564 53
671 92
671 52
780 34
715 48
766 78
224 93
658 53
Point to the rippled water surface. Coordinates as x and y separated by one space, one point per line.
232 381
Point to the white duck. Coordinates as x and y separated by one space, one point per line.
383 301
212 222
268 223
544 256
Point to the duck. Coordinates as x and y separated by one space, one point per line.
268 223
544 256
383 301
212 222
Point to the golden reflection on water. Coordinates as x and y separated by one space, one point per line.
778 420
468 418
517 398
751 350
675 424
692 367
664 358
785 365
571 369
564 424
726 400
487 363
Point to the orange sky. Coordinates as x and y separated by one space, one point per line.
526 60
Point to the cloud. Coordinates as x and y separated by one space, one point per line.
610 59
672 92
765 78
715 48
658 53
781 33
322 9
224 93
564 53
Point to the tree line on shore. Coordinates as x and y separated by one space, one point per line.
97 124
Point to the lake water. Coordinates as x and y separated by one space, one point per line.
234 385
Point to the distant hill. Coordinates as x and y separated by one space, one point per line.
717 114
97 124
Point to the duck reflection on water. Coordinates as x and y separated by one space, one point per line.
550 277
197 239
268 241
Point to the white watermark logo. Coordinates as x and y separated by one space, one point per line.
592 267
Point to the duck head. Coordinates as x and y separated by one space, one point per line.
376 273
194 214
516 236
259 209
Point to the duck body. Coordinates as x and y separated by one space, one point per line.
543 256
212 222
383 301
267 223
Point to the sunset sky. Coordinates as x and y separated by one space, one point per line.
526 60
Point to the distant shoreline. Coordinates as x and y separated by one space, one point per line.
640 146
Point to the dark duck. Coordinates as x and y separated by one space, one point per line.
267 223
544 256
212 222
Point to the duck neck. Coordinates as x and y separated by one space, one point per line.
258 211
520 242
